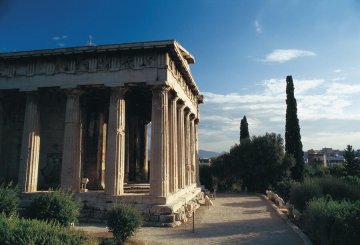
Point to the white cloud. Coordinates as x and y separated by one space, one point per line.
258 27
321 105
343 89
64 36
56 38
61 44
284 55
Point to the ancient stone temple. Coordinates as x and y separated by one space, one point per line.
123 116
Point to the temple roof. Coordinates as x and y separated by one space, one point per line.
180 55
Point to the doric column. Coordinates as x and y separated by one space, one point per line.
30 147
197 152
181 143
144 151
71 157
173 158
159 169
192 149
187 148
115 149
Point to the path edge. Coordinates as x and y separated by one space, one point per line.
296 229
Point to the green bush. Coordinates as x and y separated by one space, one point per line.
332 222
55 206
14 230
301 193
283 187
123 220
355 180
9 199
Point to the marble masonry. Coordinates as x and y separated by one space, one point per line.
110 123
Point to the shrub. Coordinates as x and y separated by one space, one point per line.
283 187
9 199
123 220
22 231
332 222
338 189
355 180
56 206
301 193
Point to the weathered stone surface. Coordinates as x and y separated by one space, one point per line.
161 209
167 218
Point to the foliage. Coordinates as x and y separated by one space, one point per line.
312 171
332 222
351 180
337 170
293 143
107 241
282 188
9 199
14 230
206 174
301 193
223 176
261 162
244 130
56 206
352 165
123 220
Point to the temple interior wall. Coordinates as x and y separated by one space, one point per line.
52 115
12 127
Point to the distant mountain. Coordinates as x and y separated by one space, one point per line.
208 154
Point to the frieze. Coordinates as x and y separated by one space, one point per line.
79 64
181 81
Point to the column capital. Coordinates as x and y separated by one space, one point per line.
160 89
73 92
173 95
180 104
120 90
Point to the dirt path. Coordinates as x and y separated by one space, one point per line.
234 219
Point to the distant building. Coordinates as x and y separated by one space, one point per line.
325 157
205 161
316 158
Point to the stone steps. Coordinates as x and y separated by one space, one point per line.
138 188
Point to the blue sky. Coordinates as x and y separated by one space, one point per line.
243 49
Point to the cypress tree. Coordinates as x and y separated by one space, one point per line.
352 165
244 130
293 143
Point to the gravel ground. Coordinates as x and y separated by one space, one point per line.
234 219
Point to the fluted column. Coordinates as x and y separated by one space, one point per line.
192 149
71 158
181 144
173 158
197 152
115 152
30 147
187 148
159 169
145 169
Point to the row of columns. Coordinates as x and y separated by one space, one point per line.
173 148
173 144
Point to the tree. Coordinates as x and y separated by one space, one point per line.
293 143
261 162
244 130
352 165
